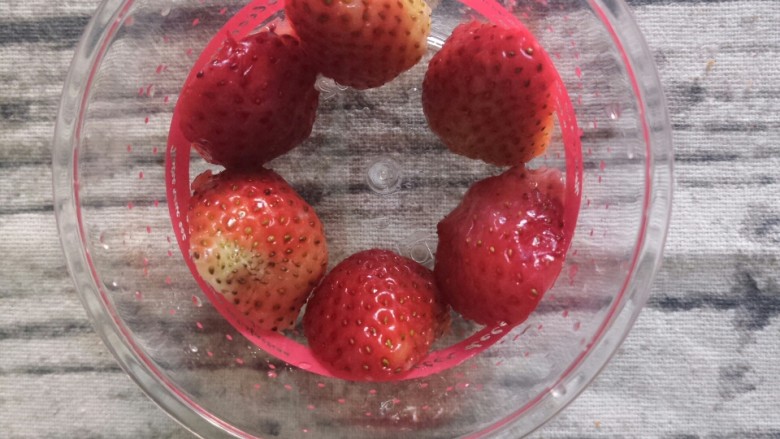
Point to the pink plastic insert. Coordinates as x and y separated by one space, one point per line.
177 177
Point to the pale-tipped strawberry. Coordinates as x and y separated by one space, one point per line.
254 101
362 43
257 242
503 247
374 316
488 94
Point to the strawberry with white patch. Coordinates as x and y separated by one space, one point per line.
257 242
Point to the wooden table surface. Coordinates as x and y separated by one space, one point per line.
702 361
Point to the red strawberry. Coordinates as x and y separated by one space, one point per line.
374 316
503 246
487 94
257 242
253 102
362 43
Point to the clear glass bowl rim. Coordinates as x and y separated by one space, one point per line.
619 22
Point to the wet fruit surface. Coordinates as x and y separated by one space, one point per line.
374 316
503 247
487 94
255 241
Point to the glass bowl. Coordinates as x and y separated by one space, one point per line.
378 177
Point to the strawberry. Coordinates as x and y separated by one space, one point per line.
502 248
255 241
374 316
362 43
253 102
487 94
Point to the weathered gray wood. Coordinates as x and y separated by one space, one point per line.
702 361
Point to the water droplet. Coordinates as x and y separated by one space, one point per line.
328 88
304 366
193 348
384 176
196 301
573 270
613 111
558 391
165 11
420 253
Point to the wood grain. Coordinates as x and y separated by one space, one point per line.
702 361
